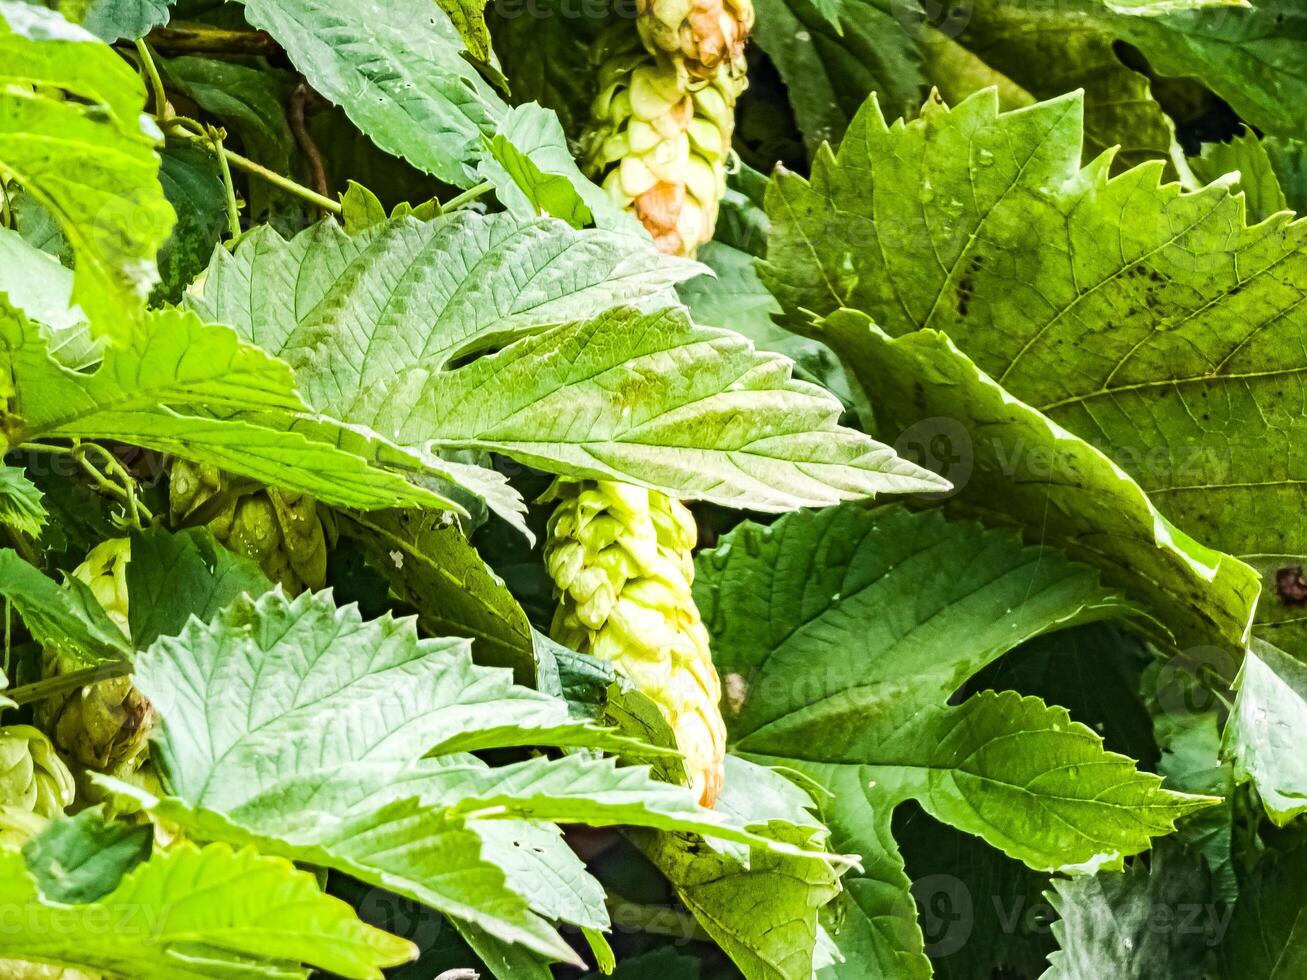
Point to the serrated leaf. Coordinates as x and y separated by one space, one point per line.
1247 155
593 400
831 59
430 565
82 858
300 728
1161 339
197 914
1265 937
20 502
174 576
67 618
836 632
1263 734
114 20
92 163
763 913
1017 466
143 395
429 106
1146 922
578 399
1049 50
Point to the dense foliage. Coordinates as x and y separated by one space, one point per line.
791 489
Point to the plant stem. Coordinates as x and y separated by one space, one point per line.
468 196
285 183
184 37
296 113
233 209
49 687
161 108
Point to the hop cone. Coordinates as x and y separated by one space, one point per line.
703 35
35 785
658 140
18 970
105 724
286 533
620 559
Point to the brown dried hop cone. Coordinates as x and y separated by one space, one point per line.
620 558
288 534
103 725
704 35
658 139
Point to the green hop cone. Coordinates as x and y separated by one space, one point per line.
35 785
658 140
103 725
19 970
702 35
620 558
288 534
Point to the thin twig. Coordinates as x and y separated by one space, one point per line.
299 100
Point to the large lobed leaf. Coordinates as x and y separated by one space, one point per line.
302 729
187 914
163 391
90 160
396 68
1152 323
376 326
837 636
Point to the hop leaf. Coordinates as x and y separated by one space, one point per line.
620 558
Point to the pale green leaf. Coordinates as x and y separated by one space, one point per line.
643 397
196 914
91 163
1164 339
1264 733
301 728
144 394
429 105
534 173
836 633
36 283
113 20
653 400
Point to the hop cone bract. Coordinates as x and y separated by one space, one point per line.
288 534
35 785
620 560
104 725
703 35
658 139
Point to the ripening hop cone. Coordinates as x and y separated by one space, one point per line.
620 560
660 129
